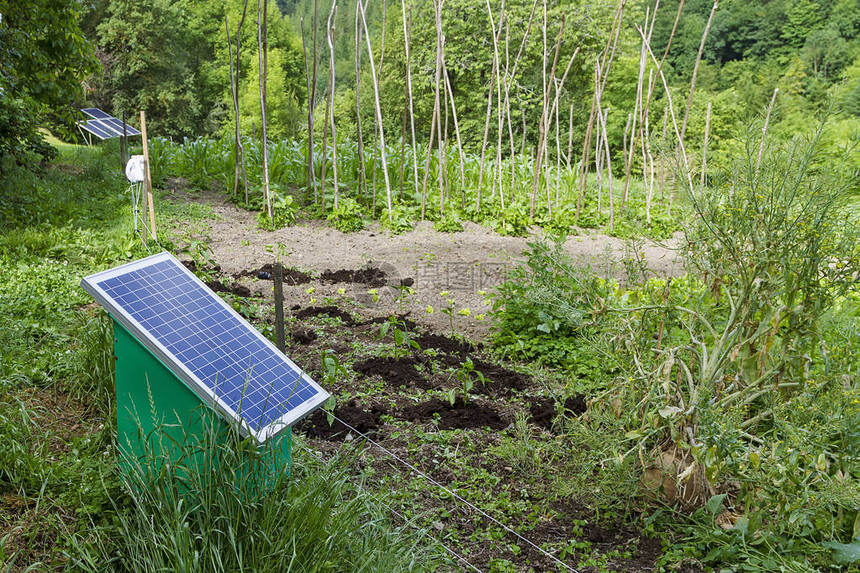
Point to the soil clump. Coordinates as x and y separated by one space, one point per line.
459 415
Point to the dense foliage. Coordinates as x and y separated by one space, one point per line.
43 58
734 387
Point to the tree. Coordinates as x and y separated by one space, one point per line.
148 65
43 59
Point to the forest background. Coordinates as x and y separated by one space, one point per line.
171 58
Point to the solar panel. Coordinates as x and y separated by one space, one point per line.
96 113
116 124
104 125
96 128
218 354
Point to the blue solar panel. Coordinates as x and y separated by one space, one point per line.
96 128
116 125
225 360
96 113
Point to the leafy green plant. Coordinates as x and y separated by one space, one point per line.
450 223
283 212
348 217
400 220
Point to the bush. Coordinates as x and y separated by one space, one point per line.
283 212
348 217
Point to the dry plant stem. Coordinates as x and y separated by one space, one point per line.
764 130
263 44
333 16
427 164
406 34
378 112
696 68
312 178
705 145
362 175
545 114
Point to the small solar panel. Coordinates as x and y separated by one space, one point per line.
96 113
216 352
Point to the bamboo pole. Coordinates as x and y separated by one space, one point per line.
406 34
234 85
637 109
542 134
330 33
509 77
312 178
678 137
570 135
705 145
312 101
696 68
147 180
362 175
605 65
378 111
456 132
263 44
603 120
493 75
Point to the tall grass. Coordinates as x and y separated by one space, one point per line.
223 507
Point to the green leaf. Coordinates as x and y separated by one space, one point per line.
845 553
715 504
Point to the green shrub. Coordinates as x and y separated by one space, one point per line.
348 217
283 212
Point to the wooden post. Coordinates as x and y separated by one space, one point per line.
147 178
123 144
279 306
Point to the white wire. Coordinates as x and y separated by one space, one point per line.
403 517
461 499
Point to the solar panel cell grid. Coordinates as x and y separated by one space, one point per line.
209 344
96 113
96 129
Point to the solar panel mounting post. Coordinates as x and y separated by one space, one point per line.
147 177
123 144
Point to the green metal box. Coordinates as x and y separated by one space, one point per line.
157 411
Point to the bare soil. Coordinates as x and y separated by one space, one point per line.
369 267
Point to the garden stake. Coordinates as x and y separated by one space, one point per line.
279 306
147 179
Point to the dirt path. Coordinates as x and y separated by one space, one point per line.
467 265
